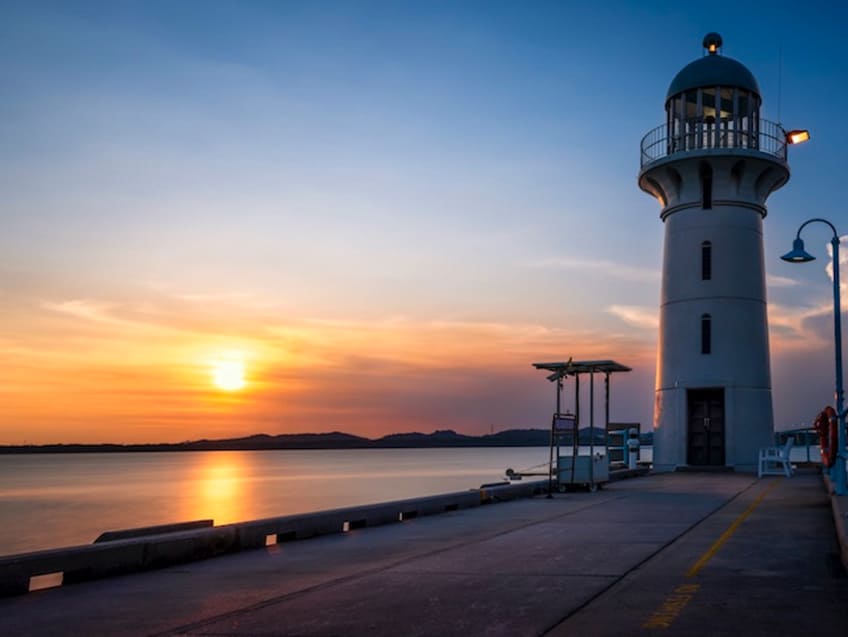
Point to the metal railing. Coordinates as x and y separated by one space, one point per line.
701 135
806 447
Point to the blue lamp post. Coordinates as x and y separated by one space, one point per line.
799 255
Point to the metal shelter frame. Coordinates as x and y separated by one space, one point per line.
559 372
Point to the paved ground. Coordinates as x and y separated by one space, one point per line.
676 554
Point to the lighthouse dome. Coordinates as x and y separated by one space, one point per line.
713 70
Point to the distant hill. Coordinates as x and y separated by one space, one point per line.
332 440
441 438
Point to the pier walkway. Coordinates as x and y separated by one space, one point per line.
673 554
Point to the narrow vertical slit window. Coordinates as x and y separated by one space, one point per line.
706 261
706 186
706 334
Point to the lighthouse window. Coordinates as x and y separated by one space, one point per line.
743 115
709 104
706 334
725 118
706 186
706 261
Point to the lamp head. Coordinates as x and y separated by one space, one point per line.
798 254
797 136
712 43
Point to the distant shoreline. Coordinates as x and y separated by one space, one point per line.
335 440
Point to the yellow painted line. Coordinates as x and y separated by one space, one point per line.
672 606
676 602
706 557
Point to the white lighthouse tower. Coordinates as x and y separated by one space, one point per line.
712 166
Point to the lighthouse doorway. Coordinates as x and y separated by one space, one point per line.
705 439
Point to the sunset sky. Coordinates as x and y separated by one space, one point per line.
372 215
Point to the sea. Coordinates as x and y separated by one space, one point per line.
56 500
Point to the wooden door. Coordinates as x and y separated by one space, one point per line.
705 439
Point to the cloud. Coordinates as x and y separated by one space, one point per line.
798 327
136 368
84 309
843 260
775 281
621 271
234 298
637 315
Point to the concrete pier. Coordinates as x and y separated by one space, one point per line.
672 554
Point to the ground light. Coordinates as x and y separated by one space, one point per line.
799 255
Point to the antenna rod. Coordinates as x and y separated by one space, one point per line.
779 80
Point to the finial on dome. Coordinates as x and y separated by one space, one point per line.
712 42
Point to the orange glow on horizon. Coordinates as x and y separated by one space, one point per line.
88 373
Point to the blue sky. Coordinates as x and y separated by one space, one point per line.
406 201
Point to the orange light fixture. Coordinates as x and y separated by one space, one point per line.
797 136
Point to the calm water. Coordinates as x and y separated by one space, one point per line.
48 501
65 499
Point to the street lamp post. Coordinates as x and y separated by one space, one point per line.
799 255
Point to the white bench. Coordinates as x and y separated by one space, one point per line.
774 461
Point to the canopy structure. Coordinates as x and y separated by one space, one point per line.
559 372
572 368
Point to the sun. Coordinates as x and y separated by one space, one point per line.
228 375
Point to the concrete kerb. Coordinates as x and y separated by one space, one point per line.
125 534
24 572
839 507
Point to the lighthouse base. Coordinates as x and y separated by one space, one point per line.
709 427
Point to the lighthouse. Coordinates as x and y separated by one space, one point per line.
712 166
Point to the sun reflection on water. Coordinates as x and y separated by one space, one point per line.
220 489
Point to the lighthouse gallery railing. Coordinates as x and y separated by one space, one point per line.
698 135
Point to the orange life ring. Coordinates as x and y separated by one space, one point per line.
827 426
